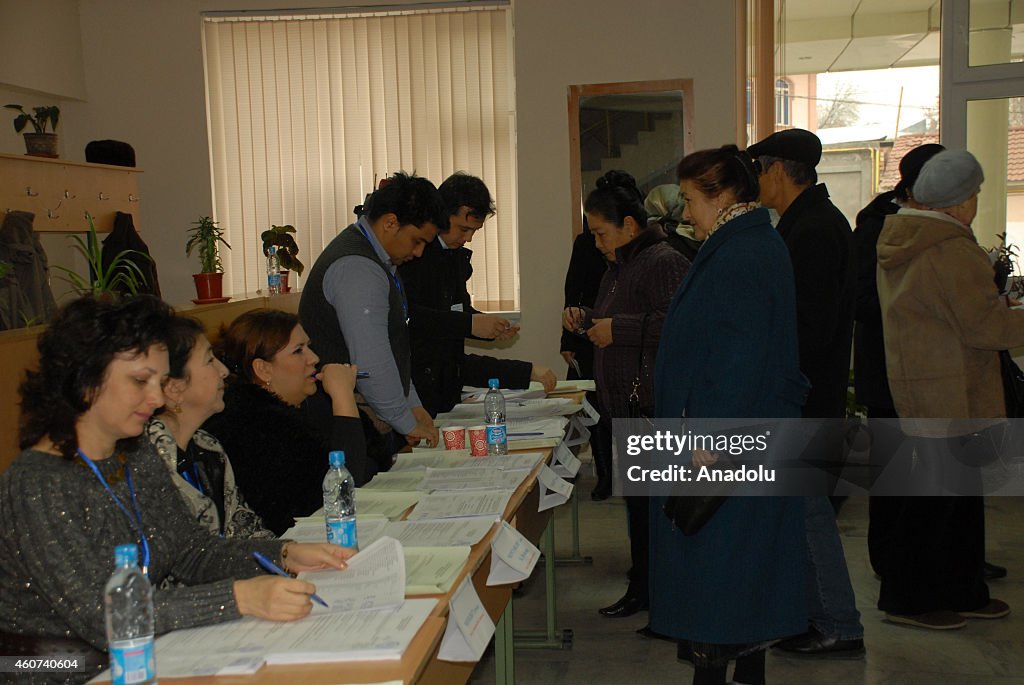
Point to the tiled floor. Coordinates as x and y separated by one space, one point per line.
608 650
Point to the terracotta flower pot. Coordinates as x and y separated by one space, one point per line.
209 286
41 145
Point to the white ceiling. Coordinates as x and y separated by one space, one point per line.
817 36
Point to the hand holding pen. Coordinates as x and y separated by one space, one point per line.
270 566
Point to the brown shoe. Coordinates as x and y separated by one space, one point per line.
932 620
996 608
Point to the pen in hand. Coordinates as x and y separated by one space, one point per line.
362 374
268 565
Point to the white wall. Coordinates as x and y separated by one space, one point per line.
144 83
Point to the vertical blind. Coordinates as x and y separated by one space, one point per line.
306 112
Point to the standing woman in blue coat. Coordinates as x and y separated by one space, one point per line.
729 350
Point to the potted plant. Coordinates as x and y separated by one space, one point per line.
121 275
205 235
40 143
287 248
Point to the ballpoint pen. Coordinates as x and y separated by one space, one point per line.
519 435
362 374
268 565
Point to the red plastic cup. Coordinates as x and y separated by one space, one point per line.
478 441
454 437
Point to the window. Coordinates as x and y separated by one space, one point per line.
783 103
307 112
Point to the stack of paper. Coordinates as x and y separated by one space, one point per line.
450 532
433 570
421 459
472 394
386 503
470 414
441 505
368 619
470 478
409 480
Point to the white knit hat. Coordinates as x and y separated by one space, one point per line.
948 178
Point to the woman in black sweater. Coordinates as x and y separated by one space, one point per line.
275 425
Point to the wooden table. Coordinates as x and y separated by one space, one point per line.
419 663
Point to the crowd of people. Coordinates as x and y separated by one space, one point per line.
686 303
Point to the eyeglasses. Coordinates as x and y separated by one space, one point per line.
762 164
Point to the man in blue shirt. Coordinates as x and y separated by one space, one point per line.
354 306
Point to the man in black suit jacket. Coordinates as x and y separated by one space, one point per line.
441 315
821 248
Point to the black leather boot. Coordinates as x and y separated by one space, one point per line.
627 606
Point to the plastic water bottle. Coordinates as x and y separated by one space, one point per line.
128 604
340 503
494 412
273 271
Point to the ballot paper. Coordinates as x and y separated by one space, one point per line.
578 385
442 505
553 490
533 443
589 415
471 394
469 628
387 503
472 478
451 532
578 433
512 556
236 646
506 462
375 578
553 427
433 570
471 414
312 529
564 462
418 460
409 480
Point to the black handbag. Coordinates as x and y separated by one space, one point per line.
1013 385
689 514
633 408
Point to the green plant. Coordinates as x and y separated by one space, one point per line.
287 248
121 274
43 116
204 235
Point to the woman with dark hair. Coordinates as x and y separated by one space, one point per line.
624 326
196 460
85 483
276 427
729 350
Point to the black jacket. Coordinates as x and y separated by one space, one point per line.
125 237
870 376
440 319
582 280
820 246
279 452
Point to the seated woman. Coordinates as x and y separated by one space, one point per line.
198 465
85 483
277 435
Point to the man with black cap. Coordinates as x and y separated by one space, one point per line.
820 246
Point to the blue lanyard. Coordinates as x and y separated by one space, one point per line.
193 478
394 278
136 520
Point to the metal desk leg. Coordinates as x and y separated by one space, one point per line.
504 649
551 638
577 558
